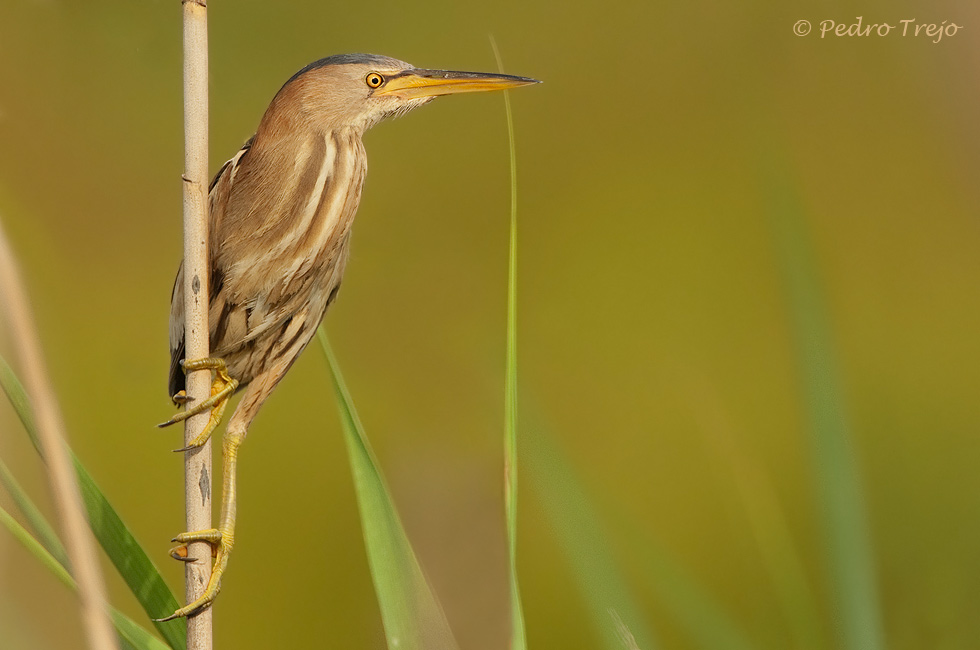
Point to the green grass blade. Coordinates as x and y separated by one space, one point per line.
137 570
699 614
518 639
599 577
125 553
36 549
39 524
412 616
768 522
130 633
574 520
838 485
133 634
18 399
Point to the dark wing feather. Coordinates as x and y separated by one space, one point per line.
177 334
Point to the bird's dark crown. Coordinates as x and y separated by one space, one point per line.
350 59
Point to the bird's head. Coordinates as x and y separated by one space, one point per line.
360 90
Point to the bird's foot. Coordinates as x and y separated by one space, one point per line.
222 388
220 549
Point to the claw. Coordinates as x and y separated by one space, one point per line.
211 536
220 548
179 553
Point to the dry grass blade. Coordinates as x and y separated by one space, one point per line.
118 542
78 540
132 635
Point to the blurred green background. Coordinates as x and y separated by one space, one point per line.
659 345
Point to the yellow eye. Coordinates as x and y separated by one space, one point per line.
374 80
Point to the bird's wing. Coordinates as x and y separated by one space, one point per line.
176 383
279 236
218 192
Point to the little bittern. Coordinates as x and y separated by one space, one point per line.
280 220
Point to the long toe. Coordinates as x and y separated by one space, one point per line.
210 535
195 608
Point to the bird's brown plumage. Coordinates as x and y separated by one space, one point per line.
279 234
271 281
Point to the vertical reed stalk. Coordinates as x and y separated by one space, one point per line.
197 464
99 633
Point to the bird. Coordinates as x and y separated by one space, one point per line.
280 215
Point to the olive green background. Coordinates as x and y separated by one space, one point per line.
656 339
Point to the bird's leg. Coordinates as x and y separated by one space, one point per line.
222 388
222 538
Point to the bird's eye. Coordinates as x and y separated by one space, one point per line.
374 80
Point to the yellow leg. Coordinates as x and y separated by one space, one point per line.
222 388
222 538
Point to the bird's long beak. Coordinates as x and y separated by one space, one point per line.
417 82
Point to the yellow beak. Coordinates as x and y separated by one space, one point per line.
416 82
